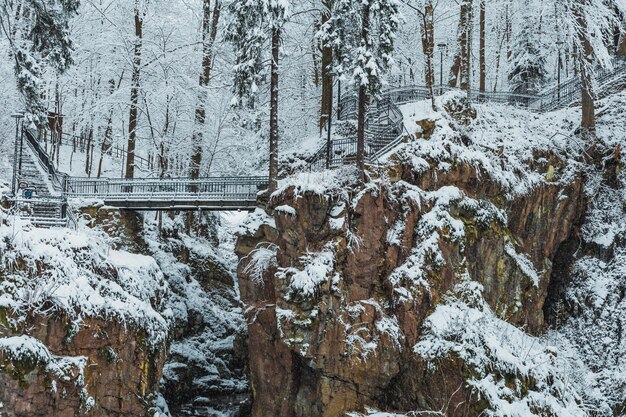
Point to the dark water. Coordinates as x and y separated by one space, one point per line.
229 406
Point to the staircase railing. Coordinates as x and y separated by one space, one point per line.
385 124
114 151
56 178
47 212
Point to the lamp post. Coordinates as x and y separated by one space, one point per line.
559 45
442 47
18 117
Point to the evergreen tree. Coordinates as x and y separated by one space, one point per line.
362 35
586 24
253 24
528 67
38 30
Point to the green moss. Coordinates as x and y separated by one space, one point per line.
109 354
4 318
501 269
19 368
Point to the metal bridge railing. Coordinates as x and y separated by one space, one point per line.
217 189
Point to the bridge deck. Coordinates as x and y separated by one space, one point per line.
236 193
165 204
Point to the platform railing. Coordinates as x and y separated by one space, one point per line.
143 189
385 124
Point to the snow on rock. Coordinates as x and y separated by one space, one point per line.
75 310
78 274
525 264
465 327
370 412
496 131
204 367
430 277
316 269
321 183
591 310
285 209
23 348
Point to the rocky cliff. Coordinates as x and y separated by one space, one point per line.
428 288
83 329
118 316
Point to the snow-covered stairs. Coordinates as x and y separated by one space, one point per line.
33 176
46 207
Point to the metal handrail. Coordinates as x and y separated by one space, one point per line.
380 137
144 189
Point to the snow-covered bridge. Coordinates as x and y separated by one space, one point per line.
43 191
384 131
233 193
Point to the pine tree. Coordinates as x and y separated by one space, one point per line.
362 35
253 24
528 68
586 23
44 33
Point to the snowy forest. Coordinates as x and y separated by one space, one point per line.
302 208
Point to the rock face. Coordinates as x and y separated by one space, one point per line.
203 371
82 328
118 377
338 285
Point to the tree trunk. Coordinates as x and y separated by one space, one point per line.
88 155
428 46
209 34
315 60
105 148
509 31
588 123
134 94
483 64
456 63
466 43
360 142
107 141
200 114
273 172
498 59
327 79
